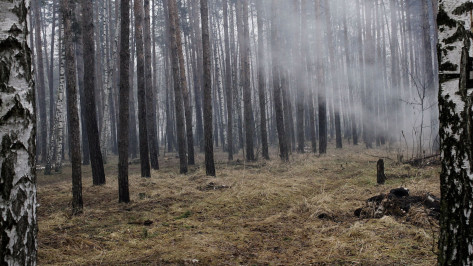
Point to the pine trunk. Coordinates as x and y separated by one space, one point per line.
68 16
184 89
209 153
228 82
180 126
150 96
140 72
123 124
98 173
262 82
39 83
275 50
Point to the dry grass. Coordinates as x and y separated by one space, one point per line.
272 213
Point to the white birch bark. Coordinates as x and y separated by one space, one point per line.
456 132
17 130
57 134
105 136
60 108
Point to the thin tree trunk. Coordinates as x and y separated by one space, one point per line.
39 83
123 125
51 69
150 106
244 42
209 153
98 173
180 126
184 90
322 100
68 14
262 82
80 77
140 65
199 131
283 149
228 82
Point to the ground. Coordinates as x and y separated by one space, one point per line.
263 213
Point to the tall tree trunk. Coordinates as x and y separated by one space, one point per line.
68 15
184 90
98 173
123 125
395 71
140 72
150 106
228 82
199 130
18 245
209 153
351 82
262 82
180 126
322 99
80 77
56 135
133 138
456 134
299 64
275 53
39 83
334 83
51 68
244 42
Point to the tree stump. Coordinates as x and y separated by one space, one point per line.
381 177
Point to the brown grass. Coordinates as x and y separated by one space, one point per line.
272 213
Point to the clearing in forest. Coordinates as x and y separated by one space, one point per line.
266 212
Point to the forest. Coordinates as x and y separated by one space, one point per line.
236 132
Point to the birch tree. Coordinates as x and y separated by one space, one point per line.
456 133
56 135
18 244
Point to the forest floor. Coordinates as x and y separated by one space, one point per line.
261 213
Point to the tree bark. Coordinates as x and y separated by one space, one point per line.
275 53
244 42
39 83
199 130
456 134
321 81
209 153
68 15
180 126
150 102
262 82
123 123
98 173
184 89
18 245
140 65
80 76
228 82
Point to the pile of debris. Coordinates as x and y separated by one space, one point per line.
398 203
212 186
